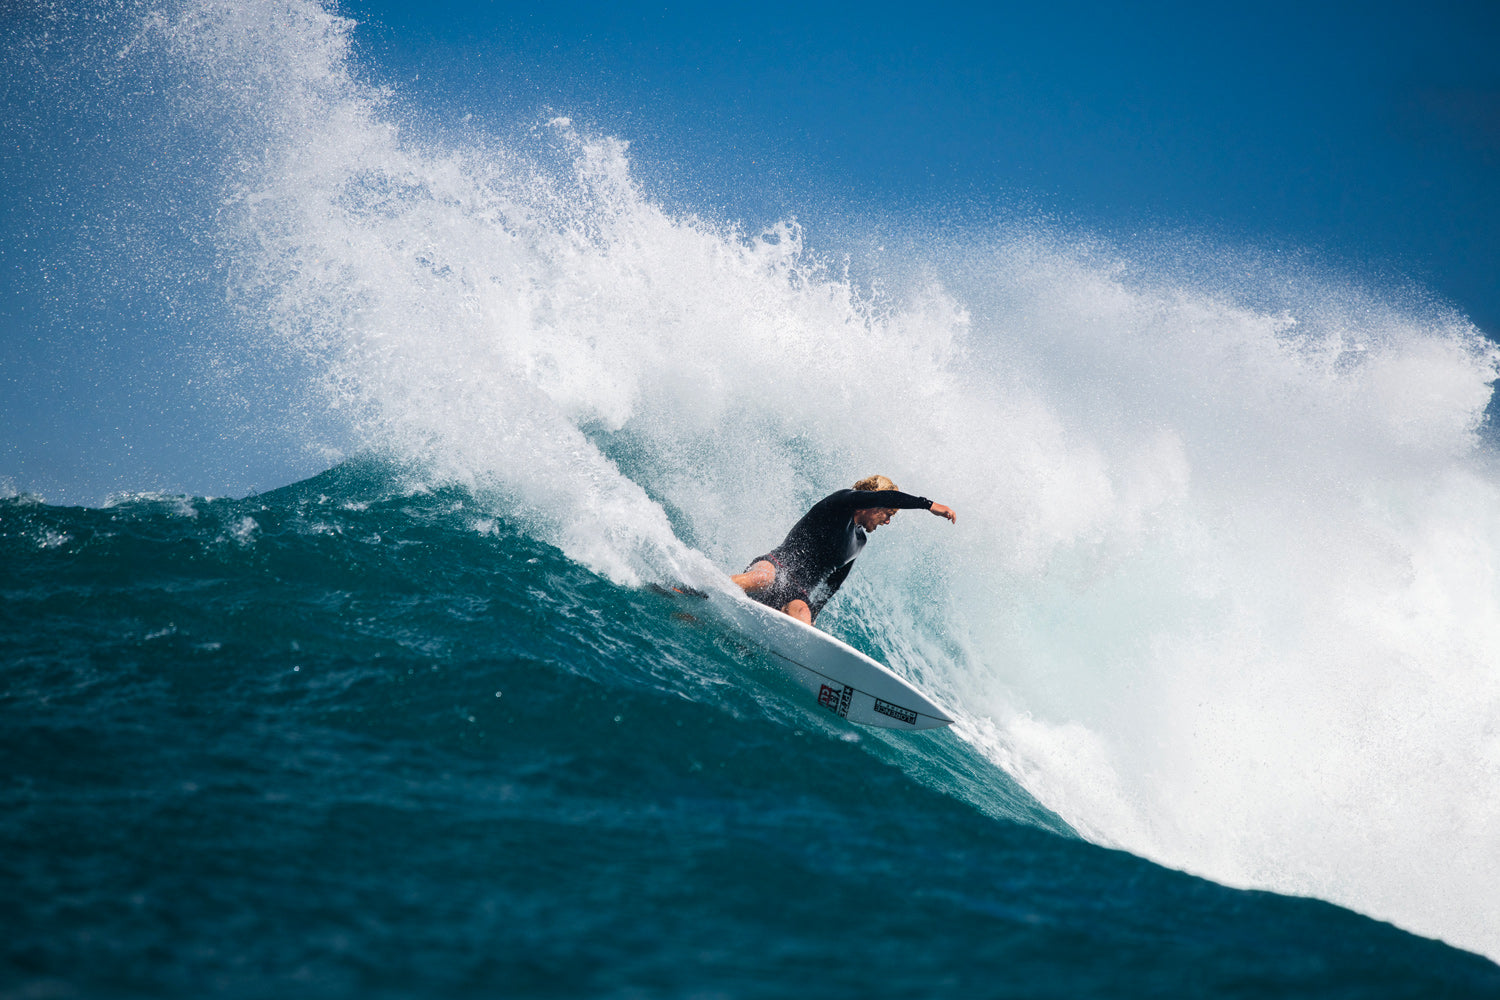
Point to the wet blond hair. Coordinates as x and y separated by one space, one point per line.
873 483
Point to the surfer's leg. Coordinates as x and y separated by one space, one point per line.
759 576
799 610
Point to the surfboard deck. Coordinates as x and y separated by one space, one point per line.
845 681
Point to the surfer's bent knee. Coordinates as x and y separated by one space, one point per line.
799 610
757 576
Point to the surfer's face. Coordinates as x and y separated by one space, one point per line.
873 517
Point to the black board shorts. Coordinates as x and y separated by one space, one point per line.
783 590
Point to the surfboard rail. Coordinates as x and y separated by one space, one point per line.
847 682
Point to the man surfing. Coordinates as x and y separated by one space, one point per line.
804 571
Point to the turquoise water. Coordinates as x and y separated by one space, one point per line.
358 738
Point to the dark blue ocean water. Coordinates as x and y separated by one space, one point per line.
335 740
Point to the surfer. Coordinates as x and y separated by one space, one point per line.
804 571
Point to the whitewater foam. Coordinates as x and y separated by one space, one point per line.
1223 587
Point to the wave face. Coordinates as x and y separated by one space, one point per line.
361 737
1222 593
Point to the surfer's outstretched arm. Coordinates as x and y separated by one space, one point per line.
891 500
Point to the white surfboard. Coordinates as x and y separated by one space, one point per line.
845 681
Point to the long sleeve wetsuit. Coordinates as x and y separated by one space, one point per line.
817 554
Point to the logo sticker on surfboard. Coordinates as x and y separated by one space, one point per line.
836 699
896 712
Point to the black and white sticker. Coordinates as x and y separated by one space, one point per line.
836 699
896 712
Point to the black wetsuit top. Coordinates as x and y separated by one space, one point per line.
819 551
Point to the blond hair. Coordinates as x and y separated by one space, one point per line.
873 483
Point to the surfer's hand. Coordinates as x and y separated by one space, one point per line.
943 511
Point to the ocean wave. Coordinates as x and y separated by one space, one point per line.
1222 592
